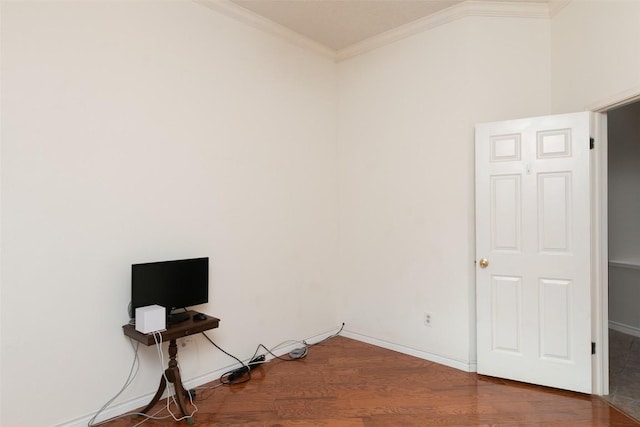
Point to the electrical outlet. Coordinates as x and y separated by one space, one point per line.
428 318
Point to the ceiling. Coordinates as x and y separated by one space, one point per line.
339 24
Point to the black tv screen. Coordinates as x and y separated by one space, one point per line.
170 284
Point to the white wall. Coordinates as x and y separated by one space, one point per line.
136 131
406 120
141 131
595 53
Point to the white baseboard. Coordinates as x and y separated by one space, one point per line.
421 354
625 329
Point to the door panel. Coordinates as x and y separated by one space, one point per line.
554 212
505 215
507 324
533 227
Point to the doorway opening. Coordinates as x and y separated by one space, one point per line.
623 241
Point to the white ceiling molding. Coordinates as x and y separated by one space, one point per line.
504 8
468 8
259 22
556 6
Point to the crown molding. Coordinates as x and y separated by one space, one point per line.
497 8
254 20
505 9
555 6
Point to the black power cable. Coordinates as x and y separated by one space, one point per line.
244 372
230 377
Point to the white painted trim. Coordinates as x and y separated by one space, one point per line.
625 329
600 250
458 11
421 354
259 22
504 8
617 100
555 6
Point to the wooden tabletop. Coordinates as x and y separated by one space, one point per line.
178 330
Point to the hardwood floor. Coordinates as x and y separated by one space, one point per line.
346 383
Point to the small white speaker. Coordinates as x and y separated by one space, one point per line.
150 319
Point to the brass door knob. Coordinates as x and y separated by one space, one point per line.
484 263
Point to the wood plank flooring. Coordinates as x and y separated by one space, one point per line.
346 383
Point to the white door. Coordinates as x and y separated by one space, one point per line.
533 245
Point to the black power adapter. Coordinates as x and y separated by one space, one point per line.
243 370
258 360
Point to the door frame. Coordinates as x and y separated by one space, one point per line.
600 249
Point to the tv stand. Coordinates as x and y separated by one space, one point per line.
172 373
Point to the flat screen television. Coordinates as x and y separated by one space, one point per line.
171 284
